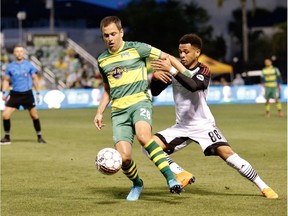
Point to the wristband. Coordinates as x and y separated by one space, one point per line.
173 71
187 73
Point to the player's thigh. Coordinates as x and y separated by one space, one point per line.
28 101
122 126
173 138
270 93
142 119
209 138
143 132
274 93
142 111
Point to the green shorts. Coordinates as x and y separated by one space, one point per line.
271 92
123 121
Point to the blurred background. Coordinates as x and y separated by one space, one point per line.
63 38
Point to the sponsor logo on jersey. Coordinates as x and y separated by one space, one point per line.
200 77
127 54
117 72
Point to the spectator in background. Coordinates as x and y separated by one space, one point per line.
271 79
60 64
74 78
4 60
238 80
71 60
61 69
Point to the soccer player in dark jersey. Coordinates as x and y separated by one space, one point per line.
22 75
271 79
194 120
124 73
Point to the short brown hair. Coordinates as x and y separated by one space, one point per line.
193 39
110 19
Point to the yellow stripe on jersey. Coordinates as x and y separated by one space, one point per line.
128 77
155 53
121 56
270 76
127 101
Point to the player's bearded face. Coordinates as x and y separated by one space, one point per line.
188 55
112 36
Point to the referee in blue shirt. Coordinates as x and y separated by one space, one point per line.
22 75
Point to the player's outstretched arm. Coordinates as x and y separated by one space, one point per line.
98 119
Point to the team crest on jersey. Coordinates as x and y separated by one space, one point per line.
200 77
117 72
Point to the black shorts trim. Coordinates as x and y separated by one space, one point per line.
211 150
170 147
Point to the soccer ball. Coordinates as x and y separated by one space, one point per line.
108 161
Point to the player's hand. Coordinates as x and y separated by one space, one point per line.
164 76
98 121
38 99
161 65
3 97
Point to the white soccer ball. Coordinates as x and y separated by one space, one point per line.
108 161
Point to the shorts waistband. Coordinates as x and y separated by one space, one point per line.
20 93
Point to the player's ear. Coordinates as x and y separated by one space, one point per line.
198 52
122 32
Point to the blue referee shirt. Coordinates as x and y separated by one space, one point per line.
21 75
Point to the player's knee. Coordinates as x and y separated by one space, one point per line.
6 116
143 139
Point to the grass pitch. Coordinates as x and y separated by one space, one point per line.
60 179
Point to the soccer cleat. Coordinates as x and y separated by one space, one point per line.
135 192
5 141
185 178
269 193
175 186
41 140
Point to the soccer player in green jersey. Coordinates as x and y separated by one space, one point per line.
124 73
271 79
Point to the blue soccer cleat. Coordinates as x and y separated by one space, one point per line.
135 192
175 186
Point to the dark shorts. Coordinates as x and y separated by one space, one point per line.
17 99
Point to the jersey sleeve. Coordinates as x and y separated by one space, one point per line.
199 81
104 78
157 86
8 70
279 78
147 51
33 69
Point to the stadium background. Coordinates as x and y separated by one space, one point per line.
60 178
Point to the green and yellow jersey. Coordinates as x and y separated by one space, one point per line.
126 73
271 76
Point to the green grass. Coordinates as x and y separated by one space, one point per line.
60 179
